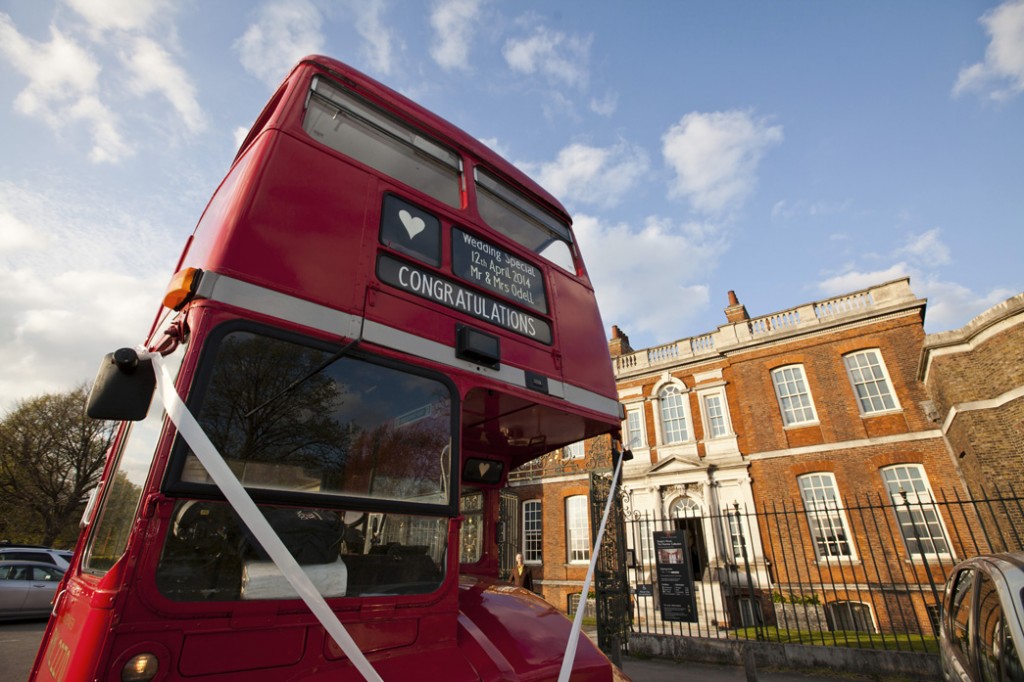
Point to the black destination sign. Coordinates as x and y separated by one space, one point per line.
497 270
457 297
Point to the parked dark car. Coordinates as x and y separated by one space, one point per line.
980 635
27 589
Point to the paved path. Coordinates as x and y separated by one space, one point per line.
19 641
657 670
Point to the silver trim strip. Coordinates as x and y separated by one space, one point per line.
224 289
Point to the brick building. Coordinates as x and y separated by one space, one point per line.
794 454
975 376
817 407
554 518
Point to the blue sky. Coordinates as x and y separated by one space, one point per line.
788 151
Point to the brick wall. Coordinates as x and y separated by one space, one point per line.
556 577
760 426
980 361
975 376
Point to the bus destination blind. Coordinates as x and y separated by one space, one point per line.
485 265
453 295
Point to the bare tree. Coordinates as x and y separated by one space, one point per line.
51 454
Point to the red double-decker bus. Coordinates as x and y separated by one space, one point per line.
376 318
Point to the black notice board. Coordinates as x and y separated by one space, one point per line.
675 576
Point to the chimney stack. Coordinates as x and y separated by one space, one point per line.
736 312
619 343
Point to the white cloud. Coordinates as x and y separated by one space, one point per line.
498 146
453 22
1001 75
786 210
559 57
63 88
715 157
926 249
122 15
556 105
636 275
283 33
238 135
85 285
950 305
153 70
100 309
593 175
854 280
605 106
16 235
378 47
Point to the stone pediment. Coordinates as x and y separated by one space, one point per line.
677 464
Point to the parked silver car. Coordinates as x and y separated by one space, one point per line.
980 634
61 558
27 589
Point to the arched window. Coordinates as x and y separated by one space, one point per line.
673 415
684 508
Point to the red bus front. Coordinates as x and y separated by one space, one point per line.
368 335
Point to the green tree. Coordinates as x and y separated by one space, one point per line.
51 454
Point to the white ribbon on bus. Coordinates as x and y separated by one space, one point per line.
577 623
250 514
236 495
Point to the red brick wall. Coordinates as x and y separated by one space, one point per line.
756 415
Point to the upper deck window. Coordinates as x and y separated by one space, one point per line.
351 125
517 217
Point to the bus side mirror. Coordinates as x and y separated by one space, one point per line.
500 533
123 388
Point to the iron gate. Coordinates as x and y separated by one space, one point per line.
508 533
611 586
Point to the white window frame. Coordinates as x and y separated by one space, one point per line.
867 389
577 529
575 450
635 428
645 540
739 536
849 612
917 515
826 516
533 532
674 389
707 417
794 389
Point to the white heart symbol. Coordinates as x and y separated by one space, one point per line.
412 224
484 468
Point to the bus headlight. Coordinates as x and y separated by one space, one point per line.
140 668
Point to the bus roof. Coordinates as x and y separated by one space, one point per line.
440 127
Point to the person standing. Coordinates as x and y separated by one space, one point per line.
522 575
